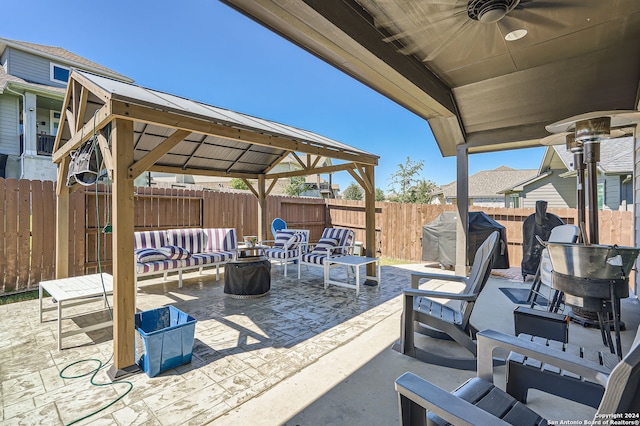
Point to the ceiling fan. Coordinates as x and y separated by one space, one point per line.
483 17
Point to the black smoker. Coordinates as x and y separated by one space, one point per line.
540 223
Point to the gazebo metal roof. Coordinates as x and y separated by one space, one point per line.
212 141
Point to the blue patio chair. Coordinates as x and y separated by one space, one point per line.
277 225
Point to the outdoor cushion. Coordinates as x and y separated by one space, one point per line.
174 252
161 266
284 238
278 253
314 258
343 235
191 239
148 239
324 244
220 239
145 255
199 259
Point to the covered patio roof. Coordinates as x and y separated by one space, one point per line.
139 129
458 64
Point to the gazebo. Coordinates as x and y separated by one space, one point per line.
139 129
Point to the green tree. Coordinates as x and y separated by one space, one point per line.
380 195
405 177
236 183
421 192
408 186
353 192
296 186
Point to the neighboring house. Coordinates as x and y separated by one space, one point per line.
33 81
556 179
484 187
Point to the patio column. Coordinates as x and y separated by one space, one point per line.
370 217
124 289
462 196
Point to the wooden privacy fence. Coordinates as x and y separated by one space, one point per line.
27 234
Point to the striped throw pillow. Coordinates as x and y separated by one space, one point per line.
175 252
283 238
145 255
324 244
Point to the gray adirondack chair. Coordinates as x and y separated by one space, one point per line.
421 313
479 402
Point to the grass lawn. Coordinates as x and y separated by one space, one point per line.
19 297
388 261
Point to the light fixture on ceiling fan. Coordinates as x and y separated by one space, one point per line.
492 11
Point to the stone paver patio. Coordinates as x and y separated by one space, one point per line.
290 357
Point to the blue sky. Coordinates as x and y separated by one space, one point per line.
206 51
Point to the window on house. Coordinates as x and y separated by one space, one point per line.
59 73
601 195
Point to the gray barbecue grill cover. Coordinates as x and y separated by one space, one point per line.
439 239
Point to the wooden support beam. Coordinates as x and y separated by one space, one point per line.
150 159
63 170
262 209
145 114
124 288
251 187
370 218
106 154
201 172
63 119
102 117
81 108
271 186
326 169
299 160
62 231
276 163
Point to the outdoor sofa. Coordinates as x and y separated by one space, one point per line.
177 250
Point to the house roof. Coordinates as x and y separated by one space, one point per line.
63 55
11 80
616 156
489 183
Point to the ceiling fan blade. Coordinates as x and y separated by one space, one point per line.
535 17
530 4
427 20
460 30
426 27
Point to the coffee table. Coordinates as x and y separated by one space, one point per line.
351 262
76 291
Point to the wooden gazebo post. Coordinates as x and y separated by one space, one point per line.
370 217
262 209
122 202
62 222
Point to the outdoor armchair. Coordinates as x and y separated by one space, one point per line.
286 247
333 242
441 321
479 402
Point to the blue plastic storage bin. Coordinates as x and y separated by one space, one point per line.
164 339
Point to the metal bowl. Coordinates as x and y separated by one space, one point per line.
595 261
